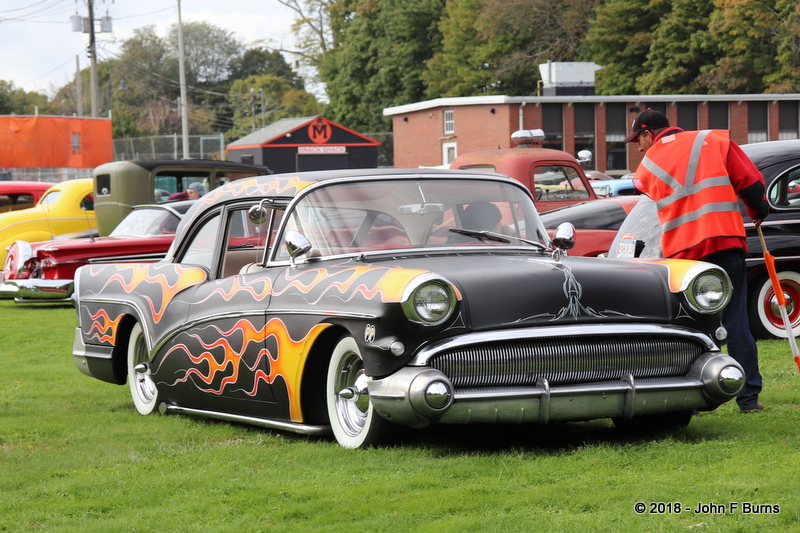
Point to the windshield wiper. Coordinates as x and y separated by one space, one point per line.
496 237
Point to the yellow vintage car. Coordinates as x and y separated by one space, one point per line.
67 207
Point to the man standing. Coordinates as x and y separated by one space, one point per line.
696 178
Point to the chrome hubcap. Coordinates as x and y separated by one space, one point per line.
352 400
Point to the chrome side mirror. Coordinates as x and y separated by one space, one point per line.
296 244
258 214
564 237
584 156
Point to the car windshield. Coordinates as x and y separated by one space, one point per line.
145 222
376 215
640 233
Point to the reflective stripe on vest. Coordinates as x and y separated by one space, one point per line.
689 187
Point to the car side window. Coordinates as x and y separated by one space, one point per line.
50 197
87 204
244 243
557 182
785 191
201 248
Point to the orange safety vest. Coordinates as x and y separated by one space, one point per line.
687 176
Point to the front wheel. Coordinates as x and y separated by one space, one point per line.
143 388
354 422
765 315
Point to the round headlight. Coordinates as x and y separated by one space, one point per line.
430 301
709 292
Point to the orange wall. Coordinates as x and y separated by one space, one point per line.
47 142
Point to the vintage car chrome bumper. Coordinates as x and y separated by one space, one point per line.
419 395
37 290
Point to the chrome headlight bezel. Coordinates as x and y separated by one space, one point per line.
707 288
416 298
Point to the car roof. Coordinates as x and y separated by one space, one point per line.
773 157
288 185
153 164
24 186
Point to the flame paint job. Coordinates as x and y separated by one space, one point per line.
139 275
104 328
348 282
287 363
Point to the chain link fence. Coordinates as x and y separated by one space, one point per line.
169 147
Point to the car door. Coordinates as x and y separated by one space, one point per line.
217 360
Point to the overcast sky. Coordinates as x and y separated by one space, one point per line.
38 47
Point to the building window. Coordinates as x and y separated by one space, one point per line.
449 122
553 126
616 121
787 120
718 115
449 153
687 115
584 131
757 120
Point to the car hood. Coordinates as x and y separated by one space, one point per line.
526 290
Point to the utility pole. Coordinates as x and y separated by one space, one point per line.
184 102
253 106
93 58
78 86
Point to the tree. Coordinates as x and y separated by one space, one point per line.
379 63
619 39
279 99
786 76
679 51
465 65
208 51
258 61
496 46
14 101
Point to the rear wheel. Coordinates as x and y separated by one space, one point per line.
765 315
143 388
354 422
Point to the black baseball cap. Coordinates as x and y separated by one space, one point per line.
647 120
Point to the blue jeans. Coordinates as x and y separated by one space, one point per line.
741 345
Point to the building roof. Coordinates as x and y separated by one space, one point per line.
505 100
276 129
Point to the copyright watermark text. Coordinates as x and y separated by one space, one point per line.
706 508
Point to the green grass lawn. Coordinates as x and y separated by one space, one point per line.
75 456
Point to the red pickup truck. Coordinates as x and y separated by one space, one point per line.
555 177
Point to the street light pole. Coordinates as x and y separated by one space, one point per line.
184 102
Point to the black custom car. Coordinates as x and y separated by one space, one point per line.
779 162
363 301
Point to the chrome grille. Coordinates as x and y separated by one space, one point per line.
566 360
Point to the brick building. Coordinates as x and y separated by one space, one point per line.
434 132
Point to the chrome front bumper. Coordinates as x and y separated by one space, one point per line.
419 396
37 290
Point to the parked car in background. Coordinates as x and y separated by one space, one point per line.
16 195
44 271
596 223
366 301
614 187
65 207
120 185
779 162
555 177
